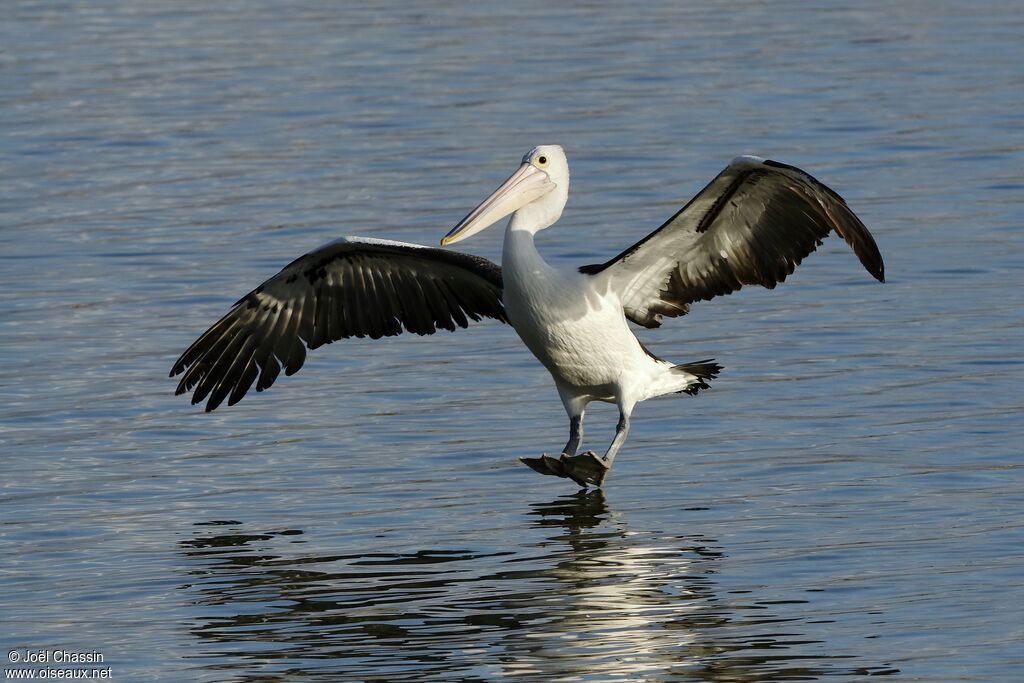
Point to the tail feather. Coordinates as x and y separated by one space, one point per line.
703 370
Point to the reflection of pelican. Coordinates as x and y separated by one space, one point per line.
751 225
628 602
639 605
581 510
574 592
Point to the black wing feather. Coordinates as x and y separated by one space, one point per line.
353 287
753 224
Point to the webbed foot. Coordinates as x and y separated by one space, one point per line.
586 468
545 464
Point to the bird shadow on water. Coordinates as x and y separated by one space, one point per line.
583 597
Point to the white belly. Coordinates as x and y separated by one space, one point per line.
581 338
579 333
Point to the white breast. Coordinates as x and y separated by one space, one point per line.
579 334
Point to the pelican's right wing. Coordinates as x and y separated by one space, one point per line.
352 287
751 225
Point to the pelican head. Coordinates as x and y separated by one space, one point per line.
535 193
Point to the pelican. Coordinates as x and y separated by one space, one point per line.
752 224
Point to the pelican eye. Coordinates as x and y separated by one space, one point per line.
541 161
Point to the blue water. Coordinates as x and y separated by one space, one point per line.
845 502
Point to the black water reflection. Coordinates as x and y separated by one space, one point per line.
592 601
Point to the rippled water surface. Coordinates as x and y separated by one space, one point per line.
845 502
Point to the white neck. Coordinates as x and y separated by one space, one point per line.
533 218
518 243
518 250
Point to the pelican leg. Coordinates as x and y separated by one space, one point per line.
545 464
588 467
575 435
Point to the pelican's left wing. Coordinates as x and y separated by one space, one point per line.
352 287
752 224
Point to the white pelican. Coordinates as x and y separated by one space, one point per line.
752 224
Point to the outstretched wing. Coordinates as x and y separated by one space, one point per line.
751 225
353 287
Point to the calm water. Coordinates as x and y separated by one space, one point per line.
846 501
